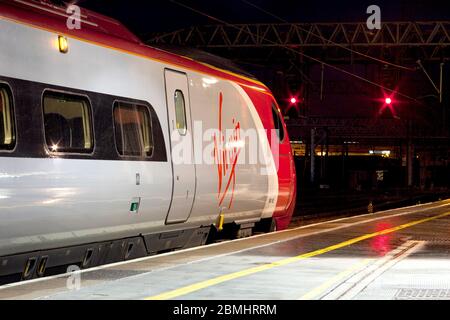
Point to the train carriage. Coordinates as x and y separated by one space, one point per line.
112 150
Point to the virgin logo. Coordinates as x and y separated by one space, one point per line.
226 154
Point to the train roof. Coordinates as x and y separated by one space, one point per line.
205 57
110 33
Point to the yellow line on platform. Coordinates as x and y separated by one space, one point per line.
246 272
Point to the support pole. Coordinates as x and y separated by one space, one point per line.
327 149
321 160
440 82
409 156
313 155
321 83
343 167
441 100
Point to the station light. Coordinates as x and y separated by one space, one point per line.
383 153
388 103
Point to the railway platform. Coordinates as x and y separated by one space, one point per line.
396 254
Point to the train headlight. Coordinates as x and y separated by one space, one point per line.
63 44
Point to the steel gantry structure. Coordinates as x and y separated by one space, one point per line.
294 47
398 50
429 40
395 49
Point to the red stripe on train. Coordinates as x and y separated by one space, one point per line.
287 186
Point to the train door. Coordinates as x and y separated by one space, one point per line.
181 143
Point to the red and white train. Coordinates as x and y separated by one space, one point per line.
91 124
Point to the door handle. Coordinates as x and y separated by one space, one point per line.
138 179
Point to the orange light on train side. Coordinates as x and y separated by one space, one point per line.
63 44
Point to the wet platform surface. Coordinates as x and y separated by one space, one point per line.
396 254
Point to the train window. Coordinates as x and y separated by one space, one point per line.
67 123
180 112
7 131
133 130
277 122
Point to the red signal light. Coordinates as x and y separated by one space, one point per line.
293 100
388 101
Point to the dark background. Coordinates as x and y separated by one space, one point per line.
346 178
163 15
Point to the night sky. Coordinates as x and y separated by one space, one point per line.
162 15
154 16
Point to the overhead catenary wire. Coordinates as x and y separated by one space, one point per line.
300 53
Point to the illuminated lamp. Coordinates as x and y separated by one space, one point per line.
63 44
